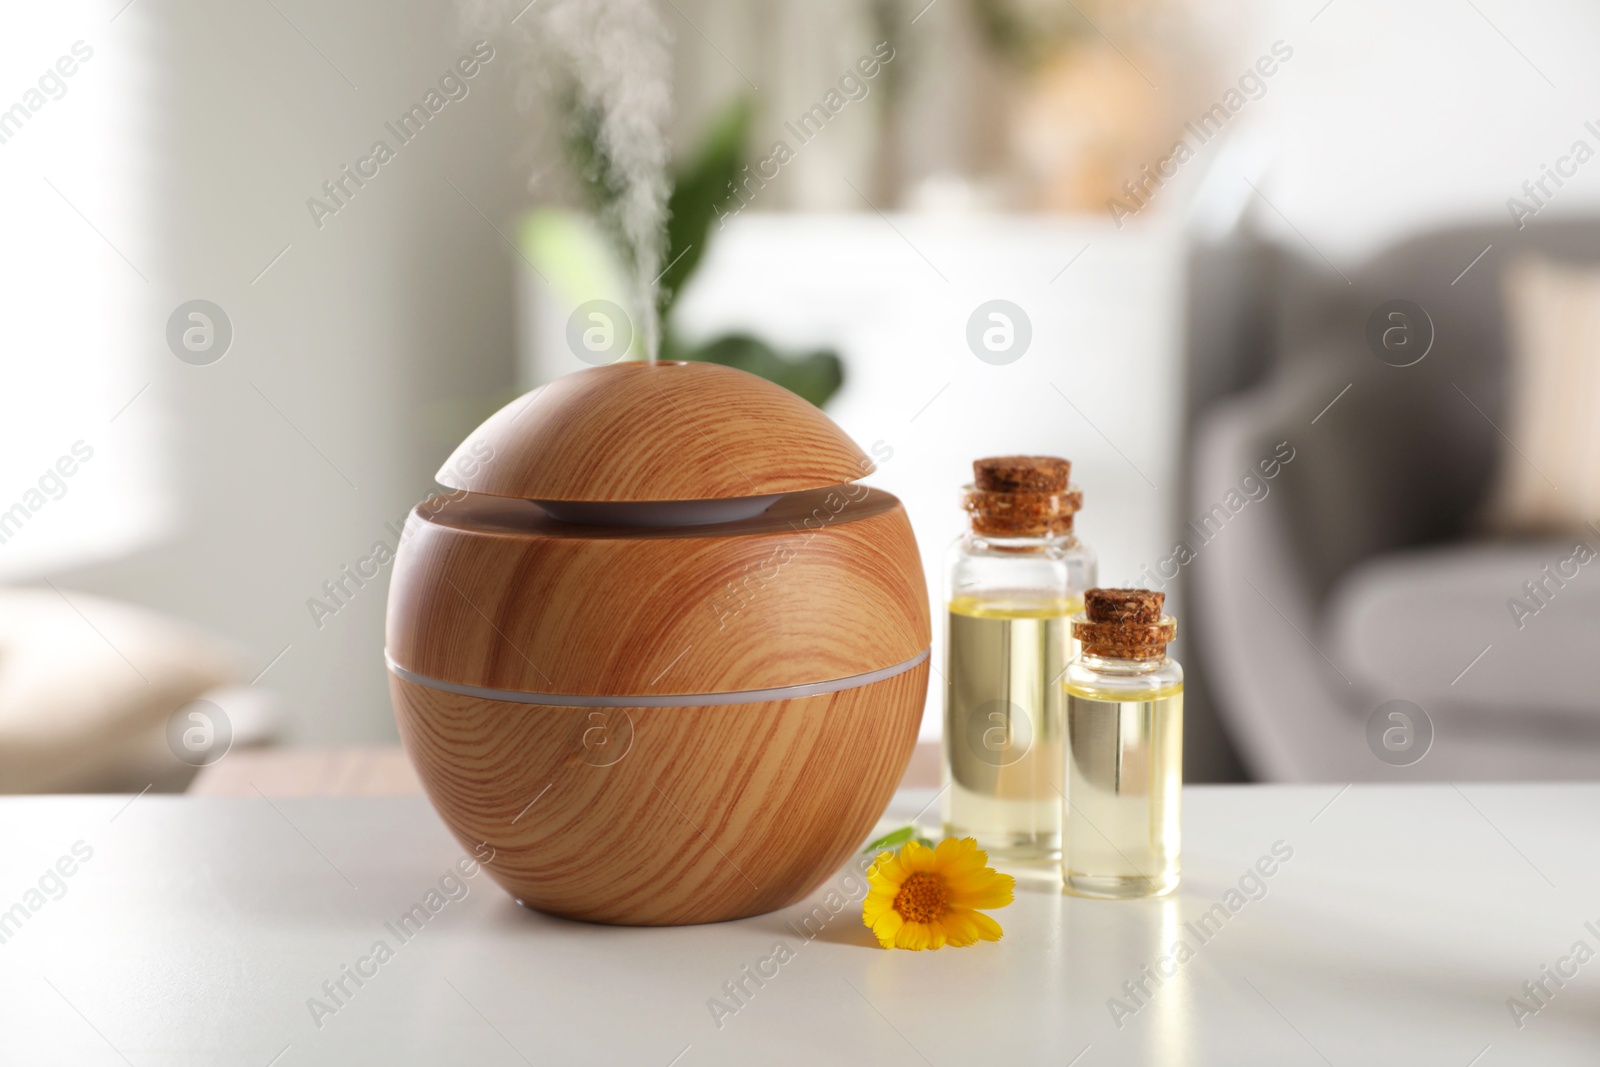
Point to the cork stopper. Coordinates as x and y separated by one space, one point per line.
1022 496
1124 624
1021 474
1123 605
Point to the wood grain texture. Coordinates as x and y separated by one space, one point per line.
664 431
491 592
709 814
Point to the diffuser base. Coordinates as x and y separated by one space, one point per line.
663 816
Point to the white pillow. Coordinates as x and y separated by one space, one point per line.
1550 480
84 682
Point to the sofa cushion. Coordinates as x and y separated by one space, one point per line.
1550 481
1490 637
87 686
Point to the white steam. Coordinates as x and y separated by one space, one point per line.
618 54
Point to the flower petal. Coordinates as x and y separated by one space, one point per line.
913 936
886 870
872 908
959 927
960 856
981 889
887 926
988 929
966 927
937 937
883 892
915 857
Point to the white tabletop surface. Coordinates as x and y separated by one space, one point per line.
198 930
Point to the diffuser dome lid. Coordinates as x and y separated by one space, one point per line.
654 432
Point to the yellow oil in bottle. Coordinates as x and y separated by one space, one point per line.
1124 777
1005 725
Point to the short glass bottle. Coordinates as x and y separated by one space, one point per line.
1013 581
1121 812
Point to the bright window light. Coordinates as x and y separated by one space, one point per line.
79 477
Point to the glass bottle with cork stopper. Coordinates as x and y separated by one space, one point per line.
1120 817
1013 581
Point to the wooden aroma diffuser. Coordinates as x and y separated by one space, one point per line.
659 660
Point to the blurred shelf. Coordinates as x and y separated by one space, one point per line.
355 771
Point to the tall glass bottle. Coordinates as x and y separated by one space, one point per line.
1124 749
1012 583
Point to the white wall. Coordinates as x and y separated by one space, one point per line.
1398 117
359 358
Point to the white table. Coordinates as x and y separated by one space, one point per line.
199 928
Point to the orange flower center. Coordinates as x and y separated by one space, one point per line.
921 898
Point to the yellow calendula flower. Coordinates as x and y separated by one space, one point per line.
929 897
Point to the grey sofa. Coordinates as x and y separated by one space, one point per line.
1362 576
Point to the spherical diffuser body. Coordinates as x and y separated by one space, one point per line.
658 656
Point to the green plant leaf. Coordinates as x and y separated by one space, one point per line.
815 375
892 840
701 189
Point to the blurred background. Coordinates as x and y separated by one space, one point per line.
1307 291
